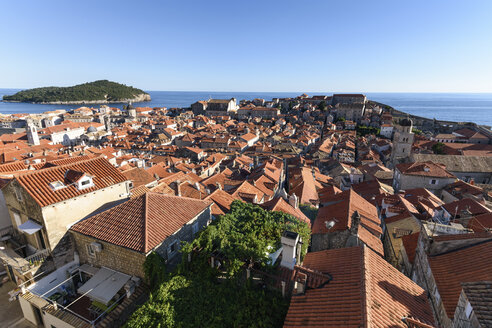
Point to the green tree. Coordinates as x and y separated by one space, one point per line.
193 297
438 148
322 106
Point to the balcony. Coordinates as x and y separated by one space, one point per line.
17 253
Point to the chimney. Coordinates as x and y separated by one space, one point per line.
354 228
472 182
178 188
217 184
300 284
289 241
197 186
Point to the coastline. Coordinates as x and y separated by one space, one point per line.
143 97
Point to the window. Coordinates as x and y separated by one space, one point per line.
90 251
172 249
468 310
433 182
17 218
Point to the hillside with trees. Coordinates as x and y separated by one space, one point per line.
102 91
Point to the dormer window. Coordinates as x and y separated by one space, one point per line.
85 182
80 179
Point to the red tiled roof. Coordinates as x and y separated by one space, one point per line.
139 176
37 183
473 263
346 203
429 169
279 204
481 222
142 223
366 291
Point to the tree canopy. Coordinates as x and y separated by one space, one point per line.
247 234
93 91
196 295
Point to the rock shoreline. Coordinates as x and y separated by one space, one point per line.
139 98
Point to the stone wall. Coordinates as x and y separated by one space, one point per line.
404 182
460 319
184 234
114 257
322 241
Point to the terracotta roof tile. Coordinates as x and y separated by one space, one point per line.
365 291
143 222
428 168
472 263
37 183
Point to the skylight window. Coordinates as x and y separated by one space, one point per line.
57 185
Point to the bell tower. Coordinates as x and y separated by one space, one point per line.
402 141
32 133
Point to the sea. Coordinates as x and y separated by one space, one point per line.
459 107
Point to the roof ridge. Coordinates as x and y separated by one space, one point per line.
52 168
365 290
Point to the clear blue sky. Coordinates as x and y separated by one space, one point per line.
350 46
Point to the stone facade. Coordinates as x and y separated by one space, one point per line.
461 319
402 142
114 257
336 239
186 233
130 261
433 184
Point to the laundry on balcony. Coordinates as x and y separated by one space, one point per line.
30 227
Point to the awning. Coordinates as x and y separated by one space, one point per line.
29 227
104 285
86 268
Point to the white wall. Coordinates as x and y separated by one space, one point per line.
4 213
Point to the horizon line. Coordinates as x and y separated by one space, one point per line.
302 92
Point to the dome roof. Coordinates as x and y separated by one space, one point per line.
91 129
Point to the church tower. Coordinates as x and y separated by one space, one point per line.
32 133
132 112
402 141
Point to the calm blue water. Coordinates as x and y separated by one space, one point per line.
444 106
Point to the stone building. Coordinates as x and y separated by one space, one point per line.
402 141
447 256
122 237
466 168
348 99
351 112
346 220
42 205
474 305
215 107
428 175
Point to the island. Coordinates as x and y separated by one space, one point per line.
97 92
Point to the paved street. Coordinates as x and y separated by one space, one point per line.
10 312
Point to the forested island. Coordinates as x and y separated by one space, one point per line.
102 91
